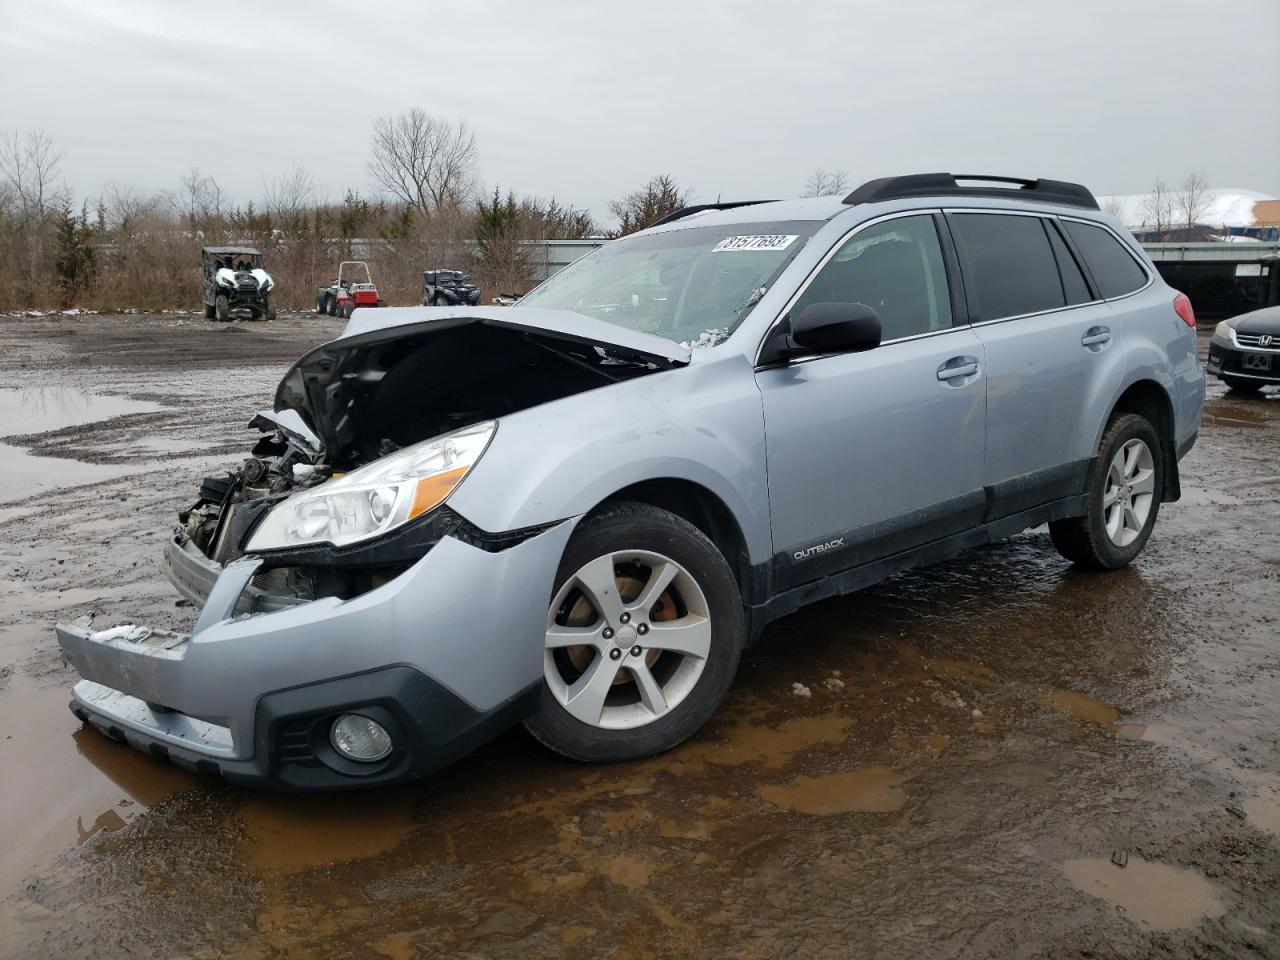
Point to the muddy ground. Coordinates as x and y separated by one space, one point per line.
974 751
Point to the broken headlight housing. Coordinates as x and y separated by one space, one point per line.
376 498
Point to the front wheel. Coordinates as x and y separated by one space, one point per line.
222 308
1122 498
644 633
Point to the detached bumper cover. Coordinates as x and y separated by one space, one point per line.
445 655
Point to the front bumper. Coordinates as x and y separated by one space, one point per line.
446 655
1227 360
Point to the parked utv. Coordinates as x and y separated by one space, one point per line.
448 288
341 297
235 284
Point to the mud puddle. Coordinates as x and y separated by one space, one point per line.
873 790
1155 894
34 410
64 785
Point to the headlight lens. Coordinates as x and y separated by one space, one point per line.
376 498
1224 330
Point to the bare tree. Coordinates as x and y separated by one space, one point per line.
645 207
29 167
287 196
423 161
1192 199
1157 209
200 200
127 207
1114 205
822 183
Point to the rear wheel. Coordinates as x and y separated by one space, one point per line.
1243 386
1122 498
222 307
644 633
322 303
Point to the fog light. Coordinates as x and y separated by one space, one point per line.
359 738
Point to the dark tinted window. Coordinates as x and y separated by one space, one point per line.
1114 269
1073 284
895 267
1012 263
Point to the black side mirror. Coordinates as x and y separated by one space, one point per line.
835 328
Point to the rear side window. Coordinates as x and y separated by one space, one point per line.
1012 265
1114 268
1073 285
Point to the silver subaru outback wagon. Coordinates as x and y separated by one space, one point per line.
576 512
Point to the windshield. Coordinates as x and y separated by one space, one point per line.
692 286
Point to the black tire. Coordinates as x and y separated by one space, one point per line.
208 311
639 526
222 308
269 312
322 304
1084 540
1243 386
333 306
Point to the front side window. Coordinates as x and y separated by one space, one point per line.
896 268
1114 268
1012 265
693 285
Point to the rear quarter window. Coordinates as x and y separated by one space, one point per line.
1115 270
1011 262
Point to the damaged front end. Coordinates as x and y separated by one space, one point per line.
333 575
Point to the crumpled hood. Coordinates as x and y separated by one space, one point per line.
312 387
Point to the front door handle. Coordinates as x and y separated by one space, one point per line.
958 368
1096 337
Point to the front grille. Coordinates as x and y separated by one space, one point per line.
1254 340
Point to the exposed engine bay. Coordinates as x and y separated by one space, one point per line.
355 400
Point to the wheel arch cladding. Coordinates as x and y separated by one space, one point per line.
1148 399
701 507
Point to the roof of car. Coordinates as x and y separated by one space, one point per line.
896 193
219 251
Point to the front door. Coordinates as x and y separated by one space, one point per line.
874 453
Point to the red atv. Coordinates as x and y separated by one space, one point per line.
340 298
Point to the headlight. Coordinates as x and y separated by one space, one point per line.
224 281
1225 331
376 498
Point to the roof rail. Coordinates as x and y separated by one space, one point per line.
949 185
699 207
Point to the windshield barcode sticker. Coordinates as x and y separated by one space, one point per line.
771 241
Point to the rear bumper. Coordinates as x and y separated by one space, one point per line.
251 696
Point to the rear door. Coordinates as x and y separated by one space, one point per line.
1052 350
873 453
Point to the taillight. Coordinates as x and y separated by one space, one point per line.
1182 307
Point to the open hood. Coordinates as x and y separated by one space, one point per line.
398 375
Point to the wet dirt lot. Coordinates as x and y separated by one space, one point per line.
996 757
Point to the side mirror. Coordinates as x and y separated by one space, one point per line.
835 328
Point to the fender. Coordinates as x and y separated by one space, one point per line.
563 458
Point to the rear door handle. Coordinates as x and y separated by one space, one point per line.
958 368
1096 337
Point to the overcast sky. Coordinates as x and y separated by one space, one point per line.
585 100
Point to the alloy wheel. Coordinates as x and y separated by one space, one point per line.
628 636
1129 493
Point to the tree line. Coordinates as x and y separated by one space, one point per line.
427 209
